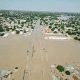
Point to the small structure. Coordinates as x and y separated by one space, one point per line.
14 32
55 78
68 73
6 35
75 77
4 73
69 68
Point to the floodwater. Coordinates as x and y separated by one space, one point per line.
34 55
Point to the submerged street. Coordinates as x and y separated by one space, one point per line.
37 60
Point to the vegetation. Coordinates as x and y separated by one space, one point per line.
67 72
16 67
17 32
1 34
11 20
1 28
32 27
77 38
60 68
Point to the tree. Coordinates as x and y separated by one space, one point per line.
50 27
7 29
1 34
51 23
77 38
1 29
32 27
62 26
60 68
17 32
67 72
24 31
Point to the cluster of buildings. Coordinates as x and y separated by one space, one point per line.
16 25
69 72
23 22
65 24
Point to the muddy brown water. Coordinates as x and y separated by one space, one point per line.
35 55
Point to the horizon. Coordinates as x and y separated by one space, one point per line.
70 6
38 11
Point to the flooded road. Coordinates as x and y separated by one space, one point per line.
38 59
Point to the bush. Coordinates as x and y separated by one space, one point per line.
24 31
67 72
60 68
55 31
1 34
77 38
7 29
16 67
50 27
32 27
1 29
17 32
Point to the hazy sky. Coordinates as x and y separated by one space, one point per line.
42 5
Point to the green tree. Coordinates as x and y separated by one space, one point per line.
60 68
1 29
67 72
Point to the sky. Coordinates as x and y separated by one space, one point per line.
41 5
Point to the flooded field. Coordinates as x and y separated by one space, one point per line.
34 55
